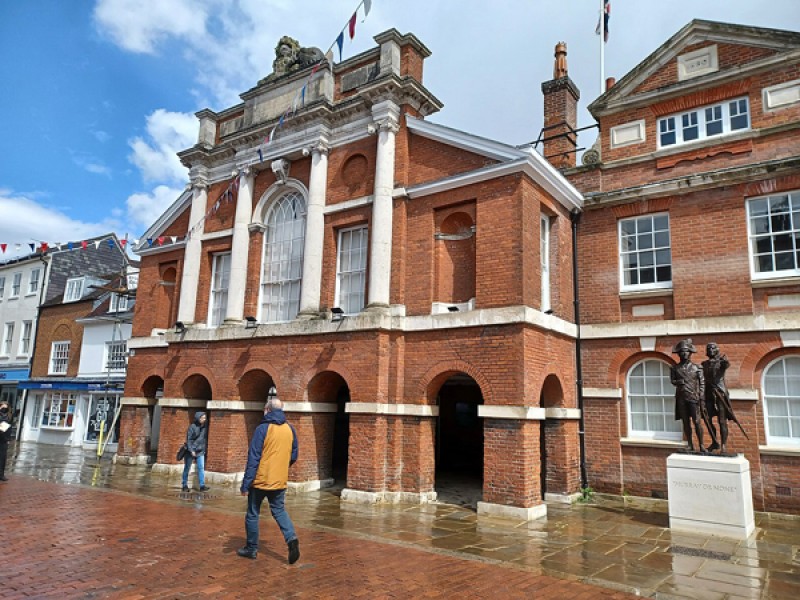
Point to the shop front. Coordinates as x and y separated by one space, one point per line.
11 393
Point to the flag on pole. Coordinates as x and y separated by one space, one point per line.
367 7
352 26
340 43
603 19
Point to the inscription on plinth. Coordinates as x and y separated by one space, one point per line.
710 495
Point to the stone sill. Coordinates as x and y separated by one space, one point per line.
649 443
651 293
775 282
779 450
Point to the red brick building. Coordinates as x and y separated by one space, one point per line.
407 289
691 229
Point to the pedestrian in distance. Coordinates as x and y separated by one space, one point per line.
196 440
273 450
5 435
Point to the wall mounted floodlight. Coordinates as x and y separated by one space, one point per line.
337 314
180 327
452 308
250 323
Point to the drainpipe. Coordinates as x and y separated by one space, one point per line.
575 217
34 332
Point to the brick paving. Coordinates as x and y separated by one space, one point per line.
69 541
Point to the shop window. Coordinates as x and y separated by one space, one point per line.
59 410
781 391
651 402
101 415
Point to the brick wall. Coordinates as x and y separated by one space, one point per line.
57 324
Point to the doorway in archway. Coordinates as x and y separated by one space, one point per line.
459 442
341 438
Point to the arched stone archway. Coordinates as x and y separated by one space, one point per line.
196 387
331 439
254 386
559 469
152 389
459 439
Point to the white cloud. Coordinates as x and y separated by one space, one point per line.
34 221
168 133
145 208
140 28
101 136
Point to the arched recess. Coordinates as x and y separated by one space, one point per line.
254 386
153 389
455 259
551 442
196 387
166 314
331 430
459 438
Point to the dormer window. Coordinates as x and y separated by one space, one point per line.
74 290
703 123
118 303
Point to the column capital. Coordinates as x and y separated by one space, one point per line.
390 124
199 185
243 170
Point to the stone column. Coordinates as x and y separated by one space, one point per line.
315 231
192 253
240 247
386 124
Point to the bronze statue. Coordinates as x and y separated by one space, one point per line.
688 380
717 398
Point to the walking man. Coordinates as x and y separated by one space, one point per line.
273 450
196 440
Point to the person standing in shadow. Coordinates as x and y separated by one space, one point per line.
196 440
5 435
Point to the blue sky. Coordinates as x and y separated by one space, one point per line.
100 95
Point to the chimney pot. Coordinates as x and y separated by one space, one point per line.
610 81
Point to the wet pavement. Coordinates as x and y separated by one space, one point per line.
437 550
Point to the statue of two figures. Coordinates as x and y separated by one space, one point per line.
701 395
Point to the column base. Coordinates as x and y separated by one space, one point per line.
562 498
302 487
362 497
137 459
309 315
489 509
381 309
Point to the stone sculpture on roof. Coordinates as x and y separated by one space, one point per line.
291 57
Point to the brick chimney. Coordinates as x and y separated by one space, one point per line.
560 114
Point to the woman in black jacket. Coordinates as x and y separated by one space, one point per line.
196 438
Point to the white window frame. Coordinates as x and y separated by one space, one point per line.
2 287
95 413
34 281
73 290
793 232
25 338
115 356
776 440
544 254
626 287
117 303
220 282
59 353
346 271
666 397
16 285
8 339
728 107
59 410
36 415
282 259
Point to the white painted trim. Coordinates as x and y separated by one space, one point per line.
651 443
310 407
779 450
155 341
525 413
489 509
463 140
790 339
182 403
781 95
783 300
556 412
362 497
137 401
635 132
610 393
377 408
156 229
234 405
694 327
743 394
214 235
347 205
648 310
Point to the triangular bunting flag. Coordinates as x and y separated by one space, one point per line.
84 244
97 244
340 43
303 94
161 240
367 8
69 245
33 246
43 247
174 238
110 243
123 242
260 156
149 241
352 26
3 247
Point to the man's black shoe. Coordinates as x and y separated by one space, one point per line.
204 488
294 551
247 552
185 488
3 478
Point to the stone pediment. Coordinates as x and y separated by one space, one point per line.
702 53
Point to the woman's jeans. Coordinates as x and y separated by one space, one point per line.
201 464
276 506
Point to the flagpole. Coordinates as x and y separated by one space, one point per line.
602 47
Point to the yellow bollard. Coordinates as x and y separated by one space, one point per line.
100 439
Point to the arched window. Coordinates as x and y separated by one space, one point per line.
651 402
283 258
781 389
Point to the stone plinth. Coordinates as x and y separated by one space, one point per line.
710 495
